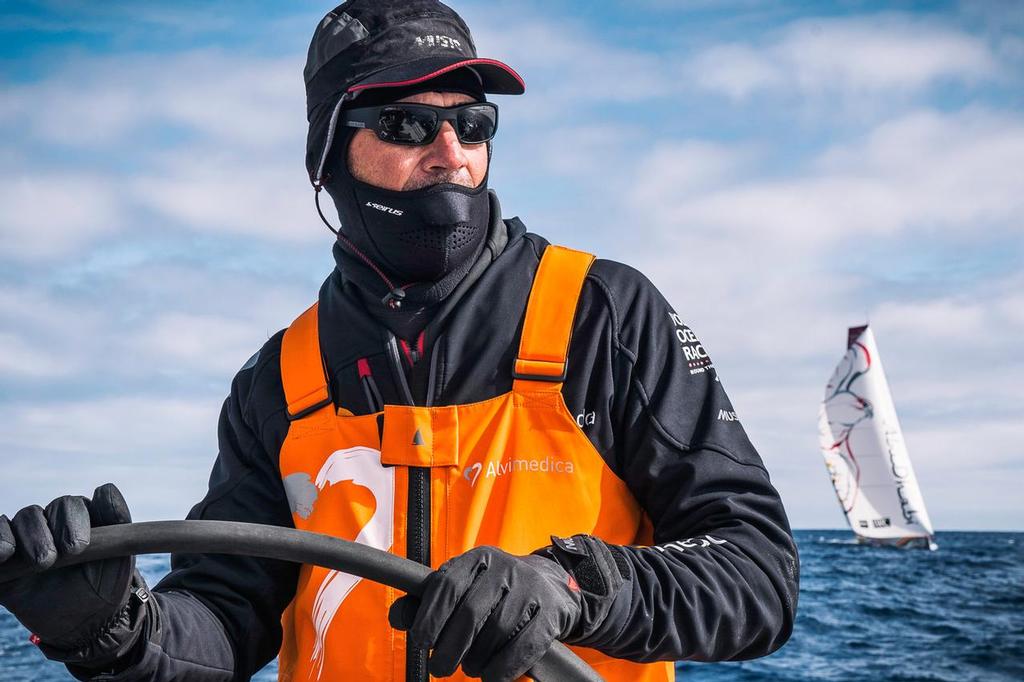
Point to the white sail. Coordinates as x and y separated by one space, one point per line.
864 451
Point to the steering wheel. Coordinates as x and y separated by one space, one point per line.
288 544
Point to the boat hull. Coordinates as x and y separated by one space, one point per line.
900 543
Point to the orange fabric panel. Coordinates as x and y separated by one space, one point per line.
302 368
509 471
420 436
527 472
331 470
550 312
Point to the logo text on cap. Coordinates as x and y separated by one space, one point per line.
438 41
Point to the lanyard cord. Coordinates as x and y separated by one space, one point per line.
396 294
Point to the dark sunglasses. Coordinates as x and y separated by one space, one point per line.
418 124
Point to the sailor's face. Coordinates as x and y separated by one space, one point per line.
405 167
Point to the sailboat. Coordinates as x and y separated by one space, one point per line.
864 451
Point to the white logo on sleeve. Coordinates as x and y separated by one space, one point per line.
697 359
699 542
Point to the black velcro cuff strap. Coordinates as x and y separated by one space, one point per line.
599 568
114 639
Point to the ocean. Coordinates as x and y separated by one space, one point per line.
952 615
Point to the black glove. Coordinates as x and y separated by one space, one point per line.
498 613
69 610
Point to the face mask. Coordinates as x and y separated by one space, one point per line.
416 236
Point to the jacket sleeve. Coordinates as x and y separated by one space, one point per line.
720 581
217 617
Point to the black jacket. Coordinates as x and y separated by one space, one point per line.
646 395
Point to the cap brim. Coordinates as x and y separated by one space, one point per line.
497 78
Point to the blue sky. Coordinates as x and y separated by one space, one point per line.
780 170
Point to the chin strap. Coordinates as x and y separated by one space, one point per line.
317 186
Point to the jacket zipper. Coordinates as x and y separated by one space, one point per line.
418 525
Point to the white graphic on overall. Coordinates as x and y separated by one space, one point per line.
545 465
471 473
361 466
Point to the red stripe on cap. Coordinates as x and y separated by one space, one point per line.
451 67
364 368
419 344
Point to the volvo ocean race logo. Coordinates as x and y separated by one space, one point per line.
697 359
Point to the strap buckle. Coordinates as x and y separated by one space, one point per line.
533 376
310 409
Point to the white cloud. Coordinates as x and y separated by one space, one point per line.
566 69
950 171
36 336
765 270
211 141
687 168
53 214
154 325
734 70
122 427
103 102
230 193
882 53
19 358
158 450
184 343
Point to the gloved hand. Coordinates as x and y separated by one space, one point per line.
494 612
498 613
66 609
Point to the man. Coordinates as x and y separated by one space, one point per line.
461 386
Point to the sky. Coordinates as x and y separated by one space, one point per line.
780 170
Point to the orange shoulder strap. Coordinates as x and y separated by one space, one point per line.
550 312
302 366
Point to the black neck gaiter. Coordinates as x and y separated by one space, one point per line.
422 301
418 236
419 244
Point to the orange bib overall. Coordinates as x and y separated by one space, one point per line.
509 471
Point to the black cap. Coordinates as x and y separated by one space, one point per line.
364 44
395 44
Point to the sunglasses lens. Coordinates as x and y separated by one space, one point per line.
477 124
406 126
